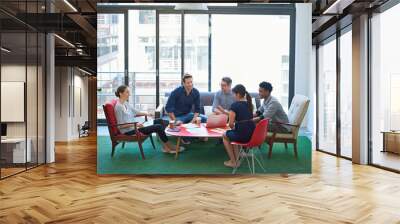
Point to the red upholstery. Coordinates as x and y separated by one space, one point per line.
113 102
258 136
111 119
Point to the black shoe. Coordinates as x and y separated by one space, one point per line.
185 141
219 142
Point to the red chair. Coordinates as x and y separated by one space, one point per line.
257 139
116 136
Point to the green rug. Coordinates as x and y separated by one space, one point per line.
198 158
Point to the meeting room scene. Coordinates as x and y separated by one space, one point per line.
191 88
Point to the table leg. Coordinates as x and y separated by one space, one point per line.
178 142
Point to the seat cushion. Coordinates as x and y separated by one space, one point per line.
281 135
297 109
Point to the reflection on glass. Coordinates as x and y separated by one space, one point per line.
385 84
196 49
142 59
110 57
327 97
346 94
251 49
110 43
107 83
31 100
14 150
41 98
170 52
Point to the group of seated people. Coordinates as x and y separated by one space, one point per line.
183 106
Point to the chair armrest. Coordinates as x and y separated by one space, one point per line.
159 112
117 125
292 125
145 117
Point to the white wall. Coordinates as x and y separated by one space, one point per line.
304 65
69 85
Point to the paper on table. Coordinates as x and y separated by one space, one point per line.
218 130
198 131
190 126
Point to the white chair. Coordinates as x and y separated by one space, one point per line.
297 111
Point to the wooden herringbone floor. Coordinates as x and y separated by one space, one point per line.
69 191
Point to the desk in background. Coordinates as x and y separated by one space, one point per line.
13 151
391 141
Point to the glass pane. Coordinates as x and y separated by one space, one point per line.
13 79
170 53
255 46
142 59
107 83
31 98
327 97
385 85
110 57
110 43
41 99
346 94
196 49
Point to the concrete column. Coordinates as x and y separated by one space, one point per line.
360 90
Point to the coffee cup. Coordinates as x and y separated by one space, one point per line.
171 124
198 120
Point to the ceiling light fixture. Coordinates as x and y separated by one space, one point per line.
64 40
5 50
338 6
191 6
70 5
84 71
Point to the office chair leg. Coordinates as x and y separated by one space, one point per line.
152 141
285 145
252 160
113 148
238 160
259 162
262 158
141 149
248 162
271 144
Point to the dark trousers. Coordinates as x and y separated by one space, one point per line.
158 127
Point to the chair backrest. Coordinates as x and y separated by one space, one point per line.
297 111
110 117
259 134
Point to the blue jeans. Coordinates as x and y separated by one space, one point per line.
186 118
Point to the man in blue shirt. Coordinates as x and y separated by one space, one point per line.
183 104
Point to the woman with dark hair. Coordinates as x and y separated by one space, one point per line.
125 113
241 123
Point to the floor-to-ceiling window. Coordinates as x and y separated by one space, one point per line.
196 49
346 93
327 127
150 49
110 57
170 53
142 58
385 89
22 76
252 53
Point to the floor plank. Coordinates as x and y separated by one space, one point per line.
70 191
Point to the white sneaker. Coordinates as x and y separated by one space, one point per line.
181 149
